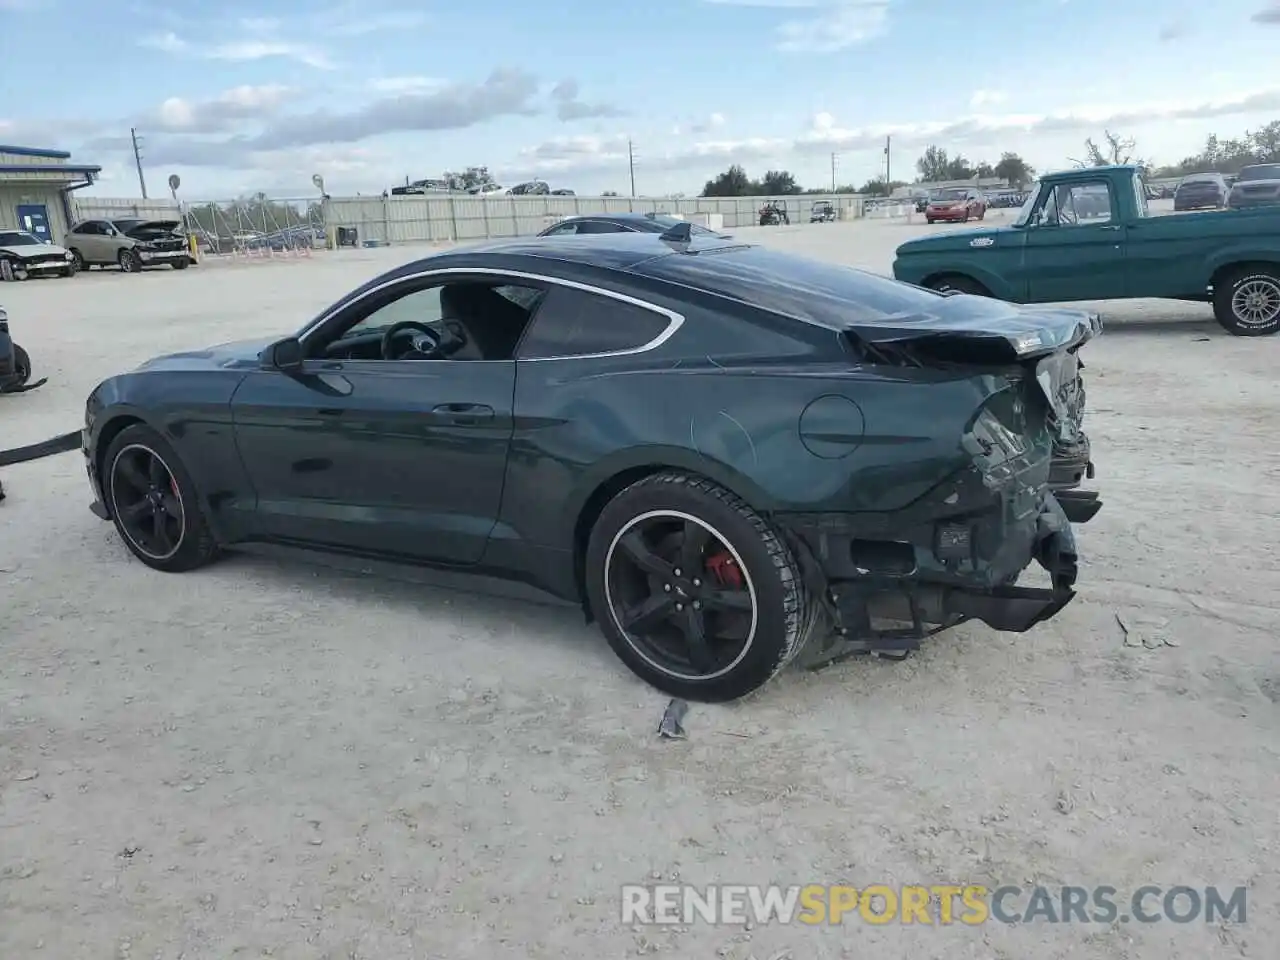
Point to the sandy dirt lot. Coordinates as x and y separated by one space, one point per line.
277 759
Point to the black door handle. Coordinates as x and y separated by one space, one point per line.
463 412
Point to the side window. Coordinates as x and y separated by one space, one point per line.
1087 203
574 323
598 226
89 226
471 319
564 230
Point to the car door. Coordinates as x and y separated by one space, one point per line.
88 238
1075 244
399 457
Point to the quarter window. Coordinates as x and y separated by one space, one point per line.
573 323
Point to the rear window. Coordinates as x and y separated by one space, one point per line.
826 294
1263 171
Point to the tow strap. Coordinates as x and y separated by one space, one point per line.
62 443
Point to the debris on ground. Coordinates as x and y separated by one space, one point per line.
1149 634
670 728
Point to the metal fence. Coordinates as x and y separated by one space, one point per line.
246 224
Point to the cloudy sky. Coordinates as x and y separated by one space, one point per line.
241 96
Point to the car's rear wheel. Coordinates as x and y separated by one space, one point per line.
694 590
129 261
1247 302
153 502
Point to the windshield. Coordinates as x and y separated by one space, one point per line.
18 238
127 224
1024 214
1263 171
945 195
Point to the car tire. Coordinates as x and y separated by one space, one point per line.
78 259
129 261
181 263
930 221
9 271
71 269
174 538
1247 302
21 368
771 608
954 283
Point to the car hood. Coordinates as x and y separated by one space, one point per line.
35 250
953 240
153 228
222 356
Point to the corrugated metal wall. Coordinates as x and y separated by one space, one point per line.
424 218
13 196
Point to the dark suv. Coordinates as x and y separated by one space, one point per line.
1201 191
1257 186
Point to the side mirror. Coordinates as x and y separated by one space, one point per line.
284 355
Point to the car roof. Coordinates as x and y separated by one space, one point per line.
610 251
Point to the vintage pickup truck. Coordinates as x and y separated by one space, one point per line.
1088 235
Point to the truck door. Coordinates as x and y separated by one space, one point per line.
1075 244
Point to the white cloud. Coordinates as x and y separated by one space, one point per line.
259 48
1270 14
395 85
839 25
984 98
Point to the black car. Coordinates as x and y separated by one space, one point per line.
1201 191
718 450
1257 186
593 223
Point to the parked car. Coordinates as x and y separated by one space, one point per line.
957 205
823 211
774 213
1201 191
532 188
594 223
718 457
24 255
422 187
563 193
1257 186
1062 247
130 243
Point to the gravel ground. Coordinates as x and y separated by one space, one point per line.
279 759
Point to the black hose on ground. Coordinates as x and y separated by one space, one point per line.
62 443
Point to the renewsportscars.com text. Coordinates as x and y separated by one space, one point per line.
935 904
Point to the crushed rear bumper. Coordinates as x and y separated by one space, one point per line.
887 586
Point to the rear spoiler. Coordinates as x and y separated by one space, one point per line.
1023 334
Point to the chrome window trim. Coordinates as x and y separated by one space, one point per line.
674 320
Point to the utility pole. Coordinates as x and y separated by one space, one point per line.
835 157
888 161
631 162
137 159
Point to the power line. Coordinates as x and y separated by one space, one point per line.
137 159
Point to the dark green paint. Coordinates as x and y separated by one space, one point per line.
1131 256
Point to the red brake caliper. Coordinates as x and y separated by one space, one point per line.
724 570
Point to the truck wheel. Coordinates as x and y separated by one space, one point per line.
1247 302
694 590
958 284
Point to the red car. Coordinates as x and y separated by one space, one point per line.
957 205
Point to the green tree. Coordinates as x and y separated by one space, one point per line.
468 178
1014 170
779 183
734 182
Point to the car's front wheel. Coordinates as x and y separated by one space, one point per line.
1247 303
181 263
129 261
694 590
9 270
153 502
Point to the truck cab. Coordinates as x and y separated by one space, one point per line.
1089 234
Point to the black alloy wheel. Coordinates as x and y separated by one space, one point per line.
147 502
680 595
694 590
153 502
